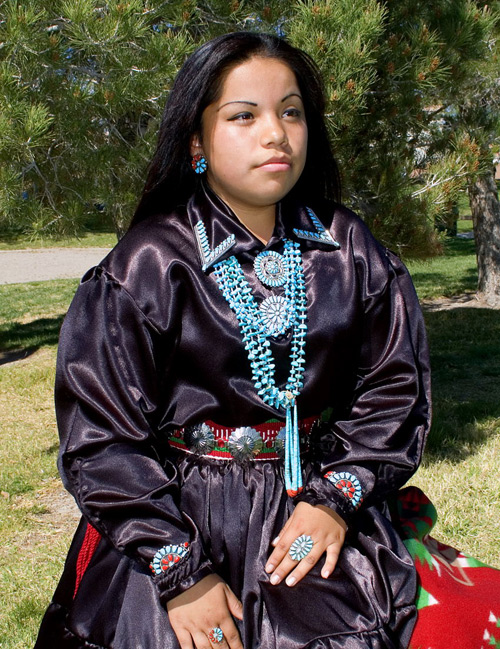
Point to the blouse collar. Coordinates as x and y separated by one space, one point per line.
220 234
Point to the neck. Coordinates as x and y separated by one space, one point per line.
260 223
258 220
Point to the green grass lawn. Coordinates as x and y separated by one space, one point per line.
453 273
84 240
459 472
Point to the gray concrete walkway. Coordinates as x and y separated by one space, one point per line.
33 265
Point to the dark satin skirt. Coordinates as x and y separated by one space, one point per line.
368 602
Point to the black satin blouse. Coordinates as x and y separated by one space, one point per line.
150 345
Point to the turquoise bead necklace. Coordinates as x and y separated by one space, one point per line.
256 333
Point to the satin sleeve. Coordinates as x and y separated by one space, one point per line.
361 459
107 391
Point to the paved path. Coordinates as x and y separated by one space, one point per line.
33 265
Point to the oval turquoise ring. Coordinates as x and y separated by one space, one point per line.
301 547
216 636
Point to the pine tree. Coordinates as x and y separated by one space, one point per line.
479 112
392 69
82 86
84 82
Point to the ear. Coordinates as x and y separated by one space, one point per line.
195 146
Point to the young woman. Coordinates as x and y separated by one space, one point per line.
241 384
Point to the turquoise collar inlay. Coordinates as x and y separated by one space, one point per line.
321 234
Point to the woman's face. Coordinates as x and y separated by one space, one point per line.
254 137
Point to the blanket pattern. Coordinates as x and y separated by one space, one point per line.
458 597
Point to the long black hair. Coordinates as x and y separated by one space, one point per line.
171 180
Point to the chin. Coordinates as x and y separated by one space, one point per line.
275 194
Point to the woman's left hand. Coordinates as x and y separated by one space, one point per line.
327 531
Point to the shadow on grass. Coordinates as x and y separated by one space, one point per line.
465 282
465 362
18 340
457 247
53 449
454 273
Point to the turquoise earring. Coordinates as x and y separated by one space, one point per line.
199 163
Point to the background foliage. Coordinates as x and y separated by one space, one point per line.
82 86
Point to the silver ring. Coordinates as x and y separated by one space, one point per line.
301 547
216 635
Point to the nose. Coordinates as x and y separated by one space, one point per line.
273 132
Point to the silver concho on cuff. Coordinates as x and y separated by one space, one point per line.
244 443
199 439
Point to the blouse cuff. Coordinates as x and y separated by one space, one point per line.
177 567
340 490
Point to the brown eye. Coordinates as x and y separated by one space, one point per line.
241 116
292 112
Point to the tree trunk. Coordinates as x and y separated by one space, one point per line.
485 207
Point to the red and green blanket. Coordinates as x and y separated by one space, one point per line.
458 598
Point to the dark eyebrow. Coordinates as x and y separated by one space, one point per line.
292 94
252 103
237 101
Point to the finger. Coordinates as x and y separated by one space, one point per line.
233 603
332 556
201 640
279 553
231 635
300 569
184 638
283 546
283 531
303 567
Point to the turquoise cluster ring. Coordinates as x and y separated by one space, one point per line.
216 635
301 547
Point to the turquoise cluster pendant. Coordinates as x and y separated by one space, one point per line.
272 318
277 311
270 268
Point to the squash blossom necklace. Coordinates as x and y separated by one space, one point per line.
273 317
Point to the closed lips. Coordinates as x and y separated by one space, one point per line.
283 162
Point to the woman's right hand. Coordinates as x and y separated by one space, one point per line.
208 604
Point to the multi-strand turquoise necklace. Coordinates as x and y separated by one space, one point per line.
273 317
